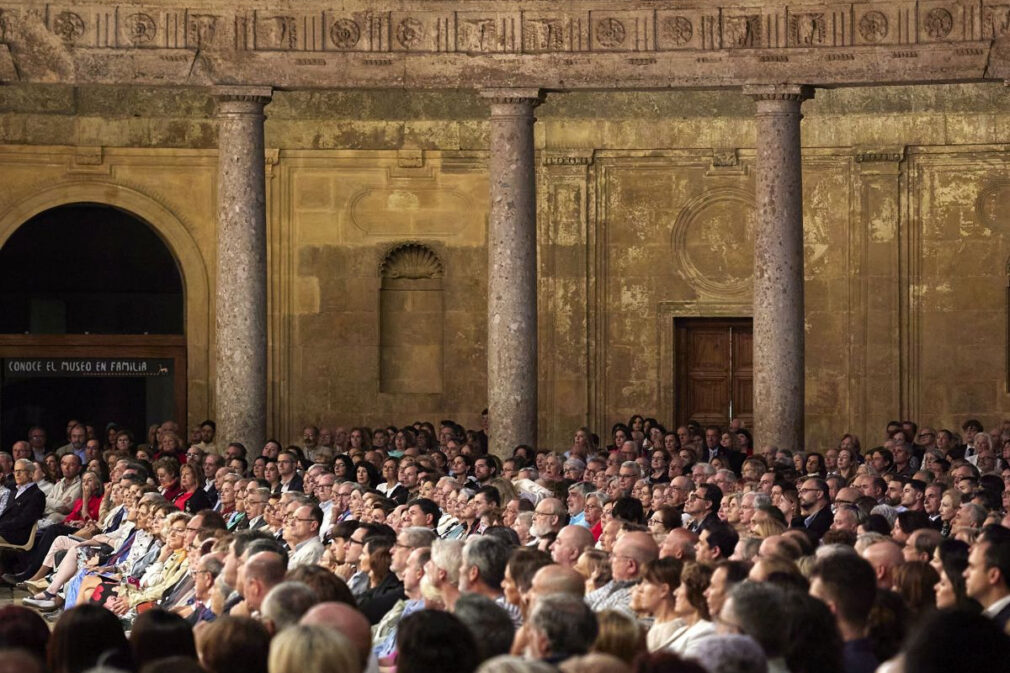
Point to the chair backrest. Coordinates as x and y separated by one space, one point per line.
27 545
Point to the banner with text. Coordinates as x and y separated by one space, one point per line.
29 368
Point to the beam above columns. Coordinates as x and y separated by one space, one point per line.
241 305
512 272
420 44
778 267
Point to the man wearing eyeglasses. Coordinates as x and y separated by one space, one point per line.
549 517
703 506
631 553
817 517
302 536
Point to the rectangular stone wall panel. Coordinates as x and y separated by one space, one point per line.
563 326
957 301
361 354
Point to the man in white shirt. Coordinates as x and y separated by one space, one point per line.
302 536
62 496
324 492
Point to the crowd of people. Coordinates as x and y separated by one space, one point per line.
411 549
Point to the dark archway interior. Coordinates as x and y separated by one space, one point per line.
88 268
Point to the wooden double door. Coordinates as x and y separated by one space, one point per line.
714 375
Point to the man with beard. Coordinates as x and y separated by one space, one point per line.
817 517
549 517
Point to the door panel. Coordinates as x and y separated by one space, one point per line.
714 371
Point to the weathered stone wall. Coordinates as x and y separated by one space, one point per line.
644 207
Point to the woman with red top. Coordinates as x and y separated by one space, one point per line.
192 497
167 471
91 492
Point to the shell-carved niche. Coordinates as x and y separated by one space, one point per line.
411 320
411 261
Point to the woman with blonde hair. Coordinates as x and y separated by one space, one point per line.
510 664
619 635
594 565
767 528
312 649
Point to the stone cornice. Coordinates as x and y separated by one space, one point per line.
551 44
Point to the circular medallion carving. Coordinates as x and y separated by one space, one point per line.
873 26
140 28
68 26
677 29
610 33
409 33
345 34
713 241
938 23
989 202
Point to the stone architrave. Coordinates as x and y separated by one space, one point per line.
778 267
241 306
512 272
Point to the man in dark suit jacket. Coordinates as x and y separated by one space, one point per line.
287 463
816 506
987 578
703 506
24 506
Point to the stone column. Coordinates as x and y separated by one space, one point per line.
778 267
512 272
241 308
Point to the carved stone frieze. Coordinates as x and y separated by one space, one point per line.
446 43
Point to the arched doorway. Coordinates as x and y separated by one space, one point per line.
92 324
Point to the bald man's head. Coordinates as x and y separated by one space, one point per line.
633 550
639 545
346 620
556 579
570 543
884 556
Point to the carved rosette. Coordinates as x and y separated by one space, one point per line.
141 28
345 33
69 26
938 23
610 33
874 27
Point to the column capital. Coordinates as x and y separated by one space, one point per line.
513 96
880 154
784 92
242 94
